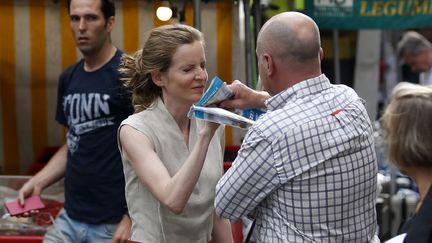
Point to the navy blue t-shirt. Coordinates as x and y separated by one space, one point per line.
92 105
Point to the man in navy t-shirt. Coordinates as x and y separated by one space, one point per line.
91 104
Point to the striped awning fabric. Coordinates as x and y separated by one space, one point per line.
36 45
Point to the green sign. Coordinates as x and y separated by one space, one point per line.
370 14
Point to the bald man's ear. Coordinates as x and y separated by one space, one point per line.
269 64
321 53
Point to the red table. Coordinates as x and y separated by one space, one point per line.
21 238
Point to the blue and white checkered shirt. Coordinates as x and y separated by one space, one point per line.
306 170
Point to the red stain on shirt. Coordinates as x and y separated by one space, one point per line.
334 113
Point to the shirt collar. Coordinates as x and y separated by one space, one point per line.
299 90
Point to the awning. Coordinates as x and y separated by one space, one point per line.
370 14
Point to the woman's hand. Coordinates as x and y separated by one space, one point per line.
209 128
122 232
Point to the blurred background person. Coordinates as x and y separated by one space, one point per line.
91 105
407 123
416 52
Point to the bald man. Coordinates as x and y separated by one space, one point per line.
306 171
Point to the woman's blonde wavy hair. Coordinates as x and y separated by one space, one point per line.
156 55
407 120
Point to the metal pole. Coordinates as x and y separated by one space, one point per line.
257 16
336 57
197 14
248 45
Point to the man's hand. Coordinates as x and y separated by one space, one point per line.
244 97
28 189
122 233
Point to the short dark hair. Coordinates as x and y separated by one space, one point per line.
107 8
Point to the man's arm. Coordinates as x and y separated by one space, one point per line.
53 171
250 179
244 97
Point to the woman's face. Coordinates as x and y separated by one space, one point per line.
185 79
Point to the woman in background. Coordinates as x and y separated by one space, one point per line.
171 163
408 123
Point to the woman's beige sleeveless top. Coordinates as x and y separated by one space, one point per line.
152 221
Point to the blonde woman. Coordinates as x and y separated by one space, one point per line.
407 120
171 163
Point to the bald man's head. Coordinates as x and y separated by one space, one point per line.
290 37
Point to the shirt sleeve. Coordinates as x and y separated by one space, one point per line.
250 179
